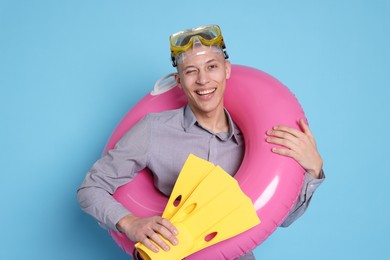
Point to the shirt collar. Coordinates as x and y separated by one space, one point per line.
189 120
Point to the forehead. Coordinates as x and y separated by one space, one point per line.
200 55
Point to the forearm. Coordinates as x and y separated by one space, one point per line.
102 206
95 193
308 188
116 168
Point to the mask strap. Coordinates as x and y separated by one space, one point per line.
164 84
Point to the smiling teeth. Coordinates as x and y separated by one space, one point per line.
205 92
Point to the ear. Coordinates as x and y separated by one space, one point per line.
228 69
177 78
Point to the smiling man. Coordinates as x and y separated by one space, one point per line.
163 141
203 79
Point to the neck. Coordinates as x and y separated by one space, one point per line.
215 121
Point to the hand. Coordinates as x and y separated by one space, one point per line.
299 145
146 230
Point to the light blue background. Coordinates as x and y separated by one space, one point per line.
70 70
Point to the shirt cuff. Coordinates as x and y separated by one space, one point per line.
311 183
114 215
310 178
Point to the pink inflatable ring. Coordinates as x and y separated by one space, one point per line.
256 102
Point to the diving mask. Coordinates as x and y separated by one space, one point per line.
209 35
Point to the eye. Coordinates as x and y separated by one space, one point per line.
213 66
190 72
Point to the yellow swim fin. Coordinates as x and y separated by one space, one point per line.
193 172
215 210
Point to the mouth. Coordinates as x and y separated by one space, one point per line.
205 92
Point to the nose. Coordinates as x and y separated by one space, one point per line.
202 78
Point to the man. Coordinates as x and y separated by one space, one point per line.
203 127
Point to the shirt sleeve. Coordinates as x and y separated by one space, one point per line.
309 186
116 168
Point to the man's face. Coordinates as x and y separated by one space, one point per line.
202 76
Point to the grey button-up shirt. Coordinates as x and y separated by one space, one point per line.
162 143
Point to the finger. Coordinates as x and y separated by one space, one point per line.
306 130
305 127
168 234
283 142
156 238
167 224
284 152
148 243
276 136
279 130
169 231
